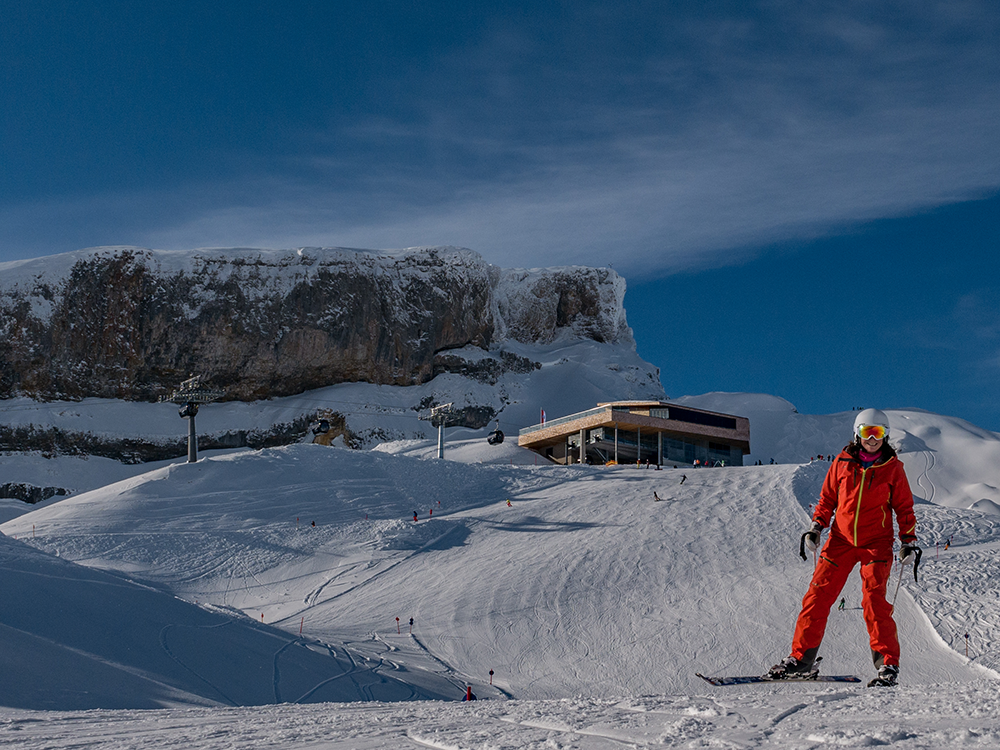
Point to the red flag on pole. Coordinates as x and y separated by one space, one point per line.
543 416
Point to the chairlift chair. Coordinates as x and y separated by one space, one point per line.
495 437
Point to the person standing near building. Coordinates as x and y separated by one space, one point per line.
862 486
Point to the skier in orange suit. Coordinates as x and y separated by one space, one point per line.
864 487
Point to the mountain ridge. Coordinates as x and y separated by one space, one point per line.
131 323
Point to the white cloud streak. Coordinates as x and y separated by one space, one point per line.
726 135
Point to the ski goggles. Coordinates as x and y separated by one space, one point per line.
872 431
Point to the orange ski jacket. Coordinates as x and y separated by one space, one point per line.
864 501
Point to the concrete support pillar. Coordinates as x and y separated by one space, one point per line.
583 446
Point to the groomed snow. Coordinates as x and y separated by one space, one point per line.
592 604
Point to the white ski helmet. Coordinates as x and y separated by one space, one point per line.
871 417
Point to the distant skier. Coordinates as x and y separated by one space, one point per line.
862 483
843 603
509 503
414 516
683 478
656 498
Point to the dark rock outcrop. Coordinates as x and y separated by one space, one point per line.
29 493
52 441
131 323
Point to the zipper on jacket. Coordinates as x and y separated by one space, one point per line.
857 510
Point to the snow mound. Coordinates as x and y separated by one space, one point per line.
986 506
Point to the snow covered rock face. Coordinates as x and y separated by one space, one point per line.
132 323
538 306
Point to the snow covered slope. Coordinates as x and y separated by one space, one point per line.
798 716
75 637
582 586
581 591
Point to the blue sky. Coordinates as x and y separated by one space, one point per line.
803 198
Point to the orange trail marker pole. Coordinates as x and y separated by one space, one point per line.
301 623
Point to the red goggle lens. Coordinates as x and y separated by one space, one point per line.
869 431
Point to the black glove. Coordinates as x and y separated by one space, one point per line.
810 540
909 554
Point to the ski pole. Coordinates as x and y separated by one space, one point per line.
899 580
916 564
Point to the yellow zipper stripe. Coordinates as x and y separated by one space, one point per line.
857 511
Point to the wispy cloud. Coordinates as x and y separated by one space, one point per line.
651 142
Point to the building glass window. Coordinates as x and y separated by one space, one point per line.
718 452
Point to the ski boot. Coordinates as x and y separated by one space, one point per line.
887 675
791 668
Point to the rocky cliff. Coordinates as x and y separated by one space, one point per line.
131 323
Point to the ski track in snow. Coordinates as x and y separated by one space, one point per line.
924 482
774 717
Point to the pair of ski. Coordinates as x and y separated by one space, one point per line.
813 676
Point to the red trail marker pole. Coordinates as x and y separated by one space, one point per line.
397 626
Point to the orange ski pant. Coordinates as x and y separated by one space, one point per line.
836 562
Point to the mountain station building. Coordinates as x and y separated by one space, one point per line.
640 431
